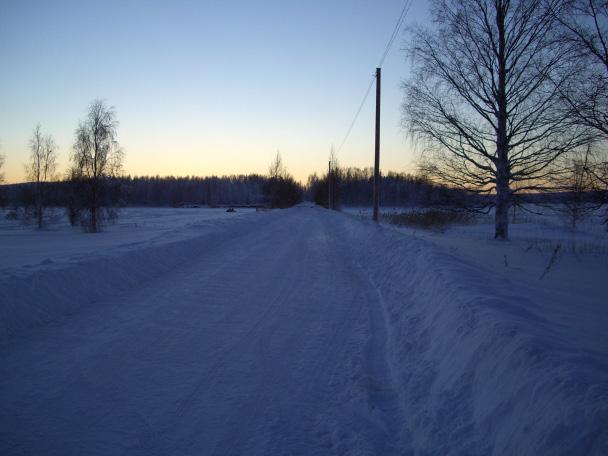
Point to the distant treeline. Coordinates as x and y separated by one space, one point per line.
173 191
250 189
354 187
350 187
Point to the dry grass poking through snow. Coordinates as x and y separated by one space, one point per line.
432 219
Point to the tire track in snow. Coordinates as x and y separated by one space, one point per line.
229 353
378 424
326 341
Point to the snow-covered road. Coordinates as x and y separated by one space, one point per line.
241 350
294 332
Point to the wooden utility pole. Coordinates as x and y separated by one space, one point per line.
377 149
329 185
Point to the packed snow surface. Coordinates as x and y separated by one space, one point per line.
299 331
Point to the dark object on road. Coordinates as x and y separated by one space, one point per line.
230 209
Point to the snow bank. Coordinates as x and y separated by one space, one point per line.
27 248
480 369
32 297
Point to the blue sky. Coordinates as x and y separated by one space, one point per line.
205 87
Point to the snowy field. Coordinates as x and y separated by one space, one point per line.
301 331
569 265
25 247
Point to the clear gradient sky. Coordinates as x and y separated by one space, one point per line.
205 87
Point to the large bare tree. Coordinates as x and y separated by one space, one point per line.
41 169
484 97
584 28
579 197
97 161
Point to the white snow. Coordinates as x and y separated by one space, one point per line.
574 292
23 246
300 331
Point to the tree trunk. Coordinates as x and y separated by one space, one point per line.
39 204
93 220
39 214
503 199
503 171
95 203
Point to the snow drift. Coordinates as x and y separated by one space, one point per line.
480 370
33 298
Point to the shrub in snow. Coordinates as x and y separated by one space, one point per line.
431 219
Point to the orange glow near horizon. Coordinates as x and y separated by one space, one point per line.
163 157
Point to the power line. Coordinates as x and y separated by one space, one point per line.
404 11
352 124
398 25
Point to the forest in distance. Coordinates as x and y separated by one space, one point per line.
351 187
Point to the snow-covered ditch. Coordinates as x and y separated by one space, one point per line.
486 362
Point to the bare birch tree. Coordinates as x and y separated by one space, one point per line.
598 170
574 181
584 28
276 172
277 169
281 190
41 169
334 176
97 161
484 97
2 192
